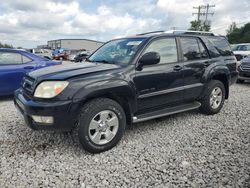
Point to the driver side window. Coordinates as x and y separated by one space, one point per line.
166 48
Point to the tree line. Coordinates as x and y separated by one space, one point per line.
238 34
234 34
5 45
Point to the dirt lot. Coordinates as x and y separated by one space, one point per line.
183 150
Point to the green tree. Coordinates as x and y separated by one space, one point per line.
238 35
5 45
199 26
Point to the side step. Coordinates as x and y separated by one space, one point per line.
166 112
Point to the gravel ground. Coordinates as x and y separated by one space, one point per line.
184 150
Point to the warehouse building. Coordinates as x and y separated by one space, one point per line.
75 44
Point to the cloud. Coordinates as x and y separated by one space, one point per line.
27 23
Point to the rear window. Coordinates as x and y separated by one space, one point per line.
221 45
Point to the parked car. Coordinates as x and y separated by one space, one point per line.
61 54
244 70
241 50
129 80
46 53
14 64
81 56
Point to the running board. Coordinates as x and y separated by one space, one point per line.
166 112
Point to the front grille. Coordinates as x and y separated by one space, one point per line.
28 85
245 67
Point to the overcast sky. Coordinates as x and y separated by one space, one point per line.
28 23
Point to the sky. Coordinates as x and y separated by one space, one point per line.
28 23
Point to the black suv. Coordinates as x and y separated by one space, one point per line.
129 80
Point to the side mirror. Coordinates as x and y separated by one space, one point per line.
149 58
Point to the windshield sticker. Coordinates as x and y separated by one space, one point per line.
134 43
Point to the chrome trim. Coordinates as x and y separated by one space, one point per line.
166 91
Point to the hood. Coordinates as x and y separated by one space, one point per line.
62 72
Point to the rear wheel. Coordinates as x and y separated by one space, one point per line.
214 98
101 125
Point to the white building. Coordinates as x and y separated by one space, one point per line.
75 44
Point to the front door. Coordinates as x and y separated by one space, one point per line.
162 83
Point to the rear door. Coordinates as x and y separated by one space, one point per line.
13 66
195 59
160 84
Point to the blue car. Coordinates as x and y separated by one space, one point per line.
14 64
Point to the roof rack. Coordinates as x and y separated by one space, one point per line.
151 32
190 32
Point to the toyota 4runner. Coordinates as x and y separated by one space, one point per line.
129 80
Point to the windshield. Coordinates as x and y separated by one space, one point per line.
120 51
241 48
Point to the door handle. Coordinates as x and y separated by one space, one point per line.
29 67
177 68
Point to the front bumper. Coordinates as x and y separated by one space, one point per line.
64 113
244 75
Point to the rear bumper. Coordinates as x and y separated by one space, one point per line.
64 113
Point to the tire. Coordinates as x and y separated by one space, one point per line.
103 138
240 81
209 105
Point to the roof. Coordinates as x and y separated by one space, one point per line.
21 51
173 33
77 39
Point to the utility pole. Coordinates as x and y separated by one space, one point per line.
207 11
203 13
199 12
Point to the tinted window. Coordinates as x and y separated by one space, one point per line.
166 48
211 49
10 58
221 45
243 48
203 51
190 49
120 51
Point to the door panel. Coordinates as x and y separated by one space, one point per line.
12 70
196 60
160 84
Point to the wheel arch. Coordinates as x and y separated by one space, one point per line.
116 90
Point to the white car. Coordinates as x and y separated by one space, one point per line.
46 53
241 50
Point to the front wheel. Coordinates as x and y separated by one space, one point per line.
101 125
214 98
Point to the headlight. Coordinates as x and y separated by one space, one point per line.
50 89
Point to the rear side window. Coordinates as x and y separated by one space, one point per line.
211 49
221 45
26 59
7 58
191 49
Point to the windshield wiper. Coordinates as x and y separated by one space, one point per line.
104 61
88 60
